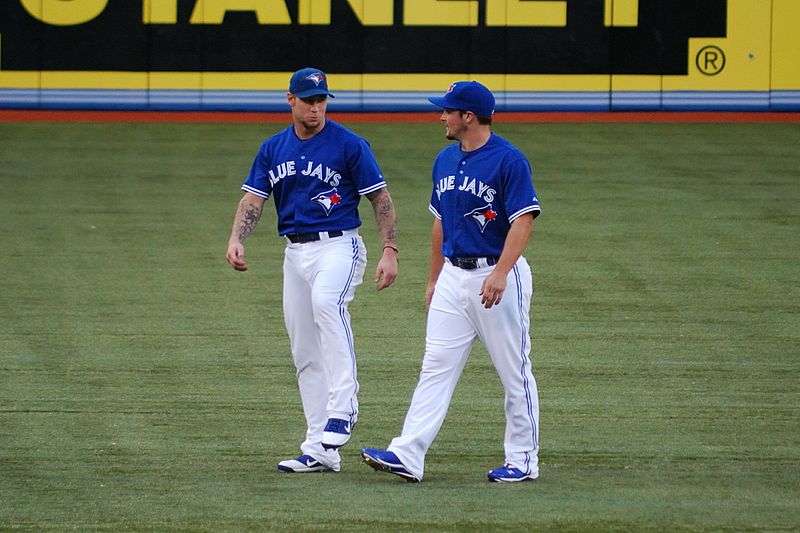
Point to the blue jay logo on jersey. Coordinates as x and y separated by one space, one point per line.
328 200
482 216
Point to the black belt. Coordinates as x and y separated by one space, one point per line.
471 263
311 237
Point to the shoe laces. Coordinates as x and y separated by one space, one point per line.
510 469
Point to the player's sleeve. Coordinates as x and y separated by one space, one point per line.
364 168
257 181
434 205
519 193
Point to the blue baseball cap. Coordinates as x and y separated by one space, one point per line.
467 96
308 82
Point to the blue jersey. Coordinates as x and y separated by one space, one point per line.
478 194
316 183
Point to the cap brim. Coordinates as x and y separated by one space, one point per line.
438 102
313 92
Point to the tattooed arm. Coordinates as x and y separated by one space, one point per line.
386 219
244 223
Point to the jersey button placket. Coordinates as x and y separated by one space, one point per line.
460 173
459 202
303 186
463 278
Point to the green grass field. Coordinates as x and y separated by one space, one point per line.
144 385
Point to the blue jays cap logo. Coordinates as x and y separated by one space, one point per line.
482 216
467 96
308 82
328 200
316 77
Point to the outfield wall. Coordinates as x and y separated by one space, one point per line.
389 55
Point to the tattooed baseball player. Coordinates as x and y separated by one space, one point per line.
316 171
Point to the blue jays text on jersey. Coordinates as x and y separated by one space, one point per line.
288 168
478 194
476 187
316 183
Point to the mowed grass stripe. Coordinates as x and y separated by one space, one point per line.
144 385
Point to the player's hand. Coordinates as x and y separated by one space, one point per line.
493 288
236 256
386 272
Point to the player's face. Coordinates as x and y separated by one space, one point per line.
309 113
453 123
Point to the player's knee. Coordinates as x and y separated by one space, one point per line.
326 308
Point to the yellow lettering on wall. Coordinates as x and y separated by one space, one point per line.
369 12
213 11
64 12
440 13
785 45
160 11
621 13
314 12
526 13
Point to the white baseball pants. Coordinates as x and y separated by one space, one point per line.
319 282
455 319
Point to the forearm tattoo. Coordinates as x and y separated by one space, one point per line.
247 219
384 215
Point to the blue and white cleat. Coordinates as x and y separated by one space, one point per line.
386 461
336 433
510 474
305 464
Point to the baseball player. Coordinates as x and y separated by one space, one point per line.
316 171
479 286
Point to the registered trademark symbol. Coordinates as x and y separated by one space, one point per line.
710 60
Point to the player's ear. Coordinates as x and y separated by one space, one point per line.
290 99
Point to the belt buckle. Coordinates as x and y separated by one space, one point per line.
467 263
302 238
